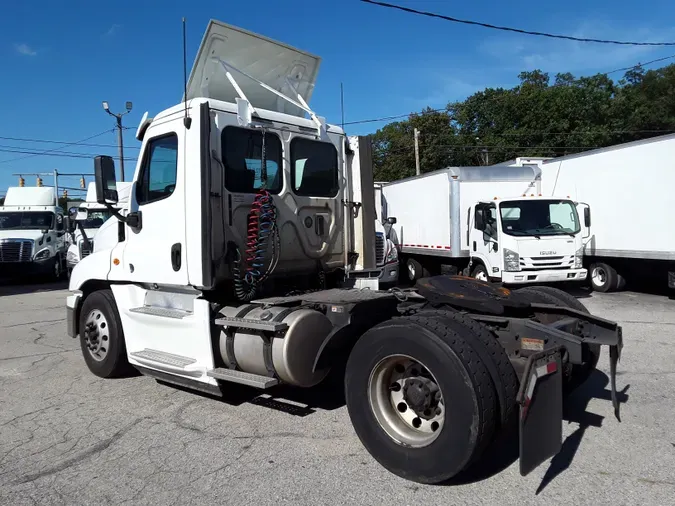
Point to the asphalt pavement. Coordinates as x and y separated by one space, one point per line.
68 437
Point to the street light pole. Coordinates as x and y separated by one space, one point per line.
120 143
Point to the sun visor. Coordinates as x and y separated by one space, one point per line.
281 67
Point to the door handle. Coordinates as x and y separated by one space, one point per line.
175 256
319 225
474 245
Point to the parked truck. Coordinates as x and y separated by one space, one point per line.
488 222
32 242
232 268
629 188
85 220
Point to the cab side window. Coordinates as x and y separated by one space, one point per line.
157 180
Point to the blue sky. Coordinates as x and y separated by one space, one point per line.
61 59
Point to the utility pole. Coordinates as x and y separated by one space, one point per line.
417 151
120 145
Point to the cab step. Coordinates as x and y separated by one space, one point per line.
243 378
156 357
245 323
164 312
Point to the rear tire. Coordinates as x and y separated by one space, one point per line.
102 336
415 270
604 278
578 373
461 378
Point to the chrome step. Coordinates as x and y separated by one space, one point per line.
244 323
243 378
165 312
161 357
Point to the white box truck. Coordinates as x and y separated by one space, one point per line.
32 234
487 222
85 221
629 188
209 282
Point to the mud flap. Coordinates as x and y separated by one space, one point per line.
614 357
541 409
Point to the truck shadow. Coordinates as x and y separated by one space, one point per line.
27 286
504 451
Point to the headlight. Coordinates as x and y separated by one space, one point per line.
71 257
511 261
578 258
392 254
42 254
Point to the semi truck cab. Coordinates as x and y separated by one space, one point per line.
527 240
32 233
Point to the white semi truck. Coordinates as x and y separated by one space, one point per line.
32 234
233 267
630 190
86 219
489 222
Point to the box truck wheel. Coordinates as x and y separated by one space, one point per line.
604 278
480 273
420 399
415 270
56 269
102 337
577 373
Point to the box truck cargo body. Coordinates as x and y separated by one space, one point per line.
630 190
489 222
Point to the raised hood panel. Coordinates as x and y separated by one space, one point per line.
269 61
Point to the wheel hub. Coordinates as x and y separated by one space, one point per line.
96 335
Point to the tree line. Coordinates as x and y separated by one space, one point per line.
538 117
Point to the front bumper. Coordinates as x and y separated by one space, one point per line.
18 269
72 310
389 274
544 276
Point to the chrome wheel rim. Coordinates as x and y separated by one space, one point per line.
97 335
481 276
599 276
406 400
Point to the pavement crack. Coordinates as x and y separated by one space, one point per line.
37 322
94 450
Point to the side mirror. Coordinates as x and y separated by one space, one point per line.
82 214
106 183
72 212
59 222
587 216
391 220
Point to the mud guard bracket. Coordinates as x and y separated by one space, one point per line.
541 409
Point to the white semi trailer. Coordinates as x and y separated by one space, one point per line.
489 222
213 279
630 190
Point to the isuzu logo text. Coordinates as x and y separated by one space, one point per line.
550 252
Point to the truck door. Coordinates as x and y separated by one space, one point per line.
156 253
484 238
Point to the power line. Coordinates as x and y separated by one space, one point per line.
49 151
444 109
516 30
46 141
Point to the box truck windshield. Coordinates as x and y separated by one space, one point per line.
539 217
28 220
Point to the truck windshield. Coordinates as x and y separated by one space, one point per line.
96 218
539 217
26 220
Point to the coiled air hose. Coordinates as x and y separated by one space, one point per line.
261 227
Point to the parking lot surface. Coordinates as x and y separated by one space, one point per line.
68 437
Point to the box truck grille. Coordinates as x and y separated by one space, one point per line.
379 248
16 250
541 263
84 251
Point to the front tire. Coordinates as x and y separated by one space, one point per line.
102 336
399 376
480 273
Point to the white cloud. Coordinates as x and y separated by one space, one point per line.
112 30
25 49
